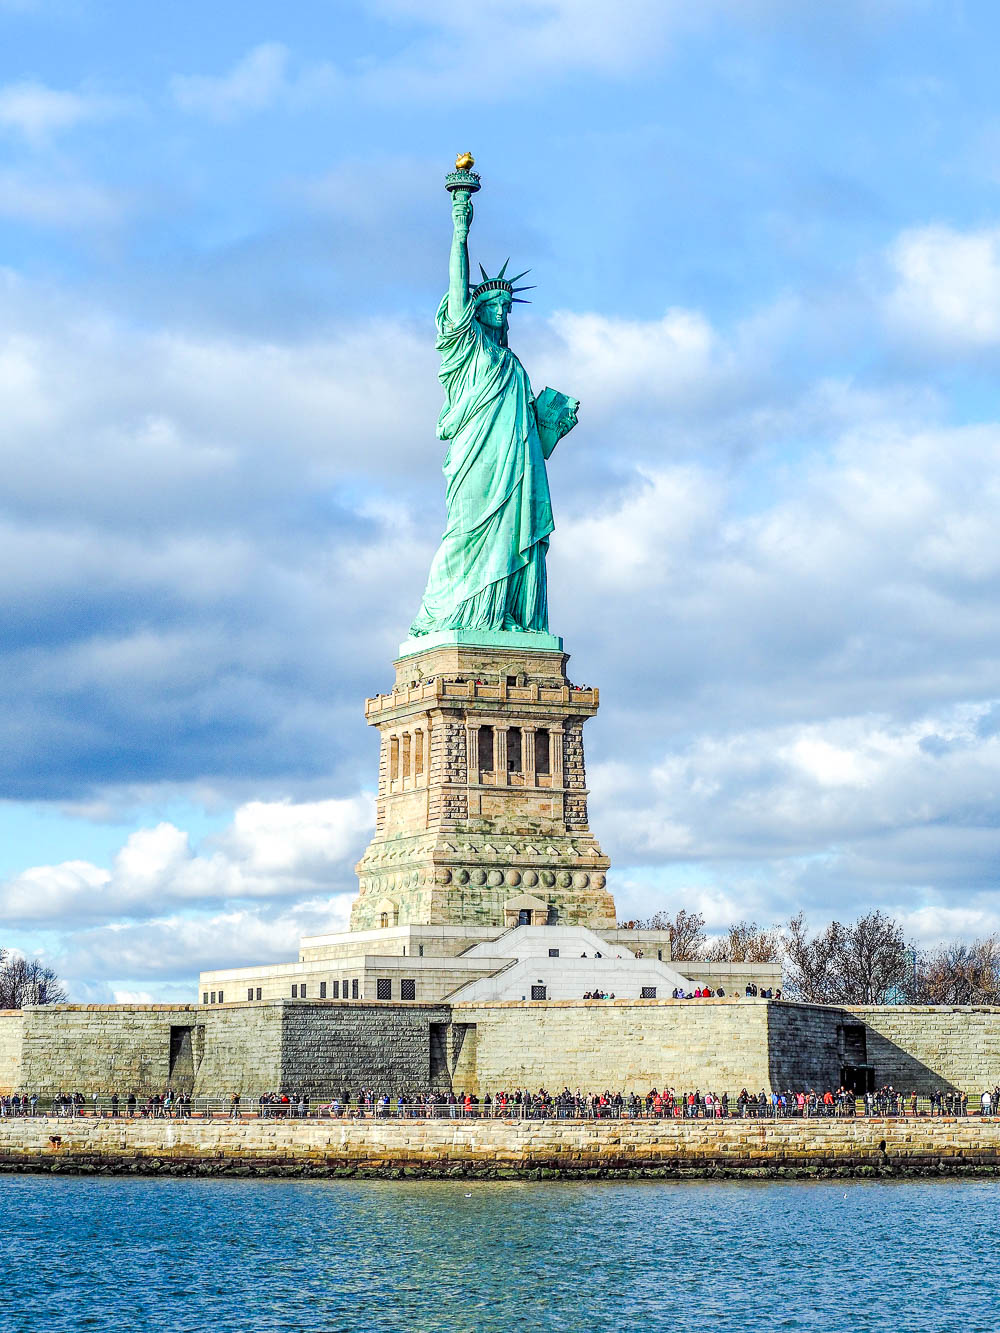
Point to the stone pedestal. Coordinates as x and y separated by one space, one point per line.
482 798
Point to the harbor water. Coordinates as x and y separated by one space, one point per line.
238 1256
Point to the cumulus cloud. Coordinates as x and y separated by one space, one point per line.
178 947
947 287
272 850
36 112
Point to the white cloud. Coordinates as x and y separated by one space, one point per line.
272 850
181 946
947 287
37 112
254 83
529 42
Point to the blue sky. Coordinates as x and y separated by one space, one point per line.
766 238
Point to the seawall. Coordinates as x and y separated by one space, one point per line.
501 1149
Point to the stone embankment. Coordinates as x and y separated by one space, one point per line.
503 1149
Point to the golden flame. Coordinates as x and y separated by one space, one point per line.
464 161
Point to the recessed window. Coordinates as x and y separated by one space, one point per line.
258 992
335 989
383 988
538 993
406 754
213 997
295 992
647 993
393 758
204 997
302 992
553 953
408 989
354 989
322 990
421 950
249 992
384 921
542 761
418 753
220 997
513 749
485 755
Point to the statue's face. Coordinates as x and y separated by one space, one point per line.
493 310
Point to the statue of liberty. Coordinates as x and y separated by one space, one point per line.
489 571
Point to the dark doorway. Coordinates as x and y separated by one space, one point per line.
858 1078
183 1060
524 917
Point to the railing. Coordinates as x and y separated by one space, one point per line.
472 689
206 1109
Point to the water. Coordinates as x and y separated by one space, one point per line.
254 1256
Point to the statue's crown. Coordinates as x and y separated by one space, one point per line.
502 284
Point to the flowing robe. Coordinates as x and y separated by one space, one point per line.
489 571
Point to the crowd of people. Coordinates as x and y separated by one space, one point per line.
665 1103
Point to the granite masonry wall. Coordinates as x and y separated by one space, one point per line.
325 1046
102 1048
392 1047
717 1045
504 1148
11 1035
248 1048
922 1049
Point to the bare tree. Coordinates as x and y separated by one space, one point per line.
658 921
874 963
687 933
959 973
687 936
865 963
27 981
746 942
810 968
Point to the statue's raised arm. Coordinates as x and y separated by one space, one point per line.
458 266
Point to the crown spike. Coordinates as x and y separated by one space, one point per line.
520 300
504 269
486 276
528 287
519 276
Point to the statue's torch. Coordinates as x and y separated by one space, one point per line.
461 183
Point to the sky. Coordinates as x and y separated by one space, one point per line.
766 243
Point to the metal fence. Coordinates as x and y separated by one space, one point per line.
221 1108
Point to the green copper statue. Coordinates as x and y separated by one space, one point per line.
489 571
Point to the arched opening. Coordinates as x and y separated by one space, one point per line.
524 917
384 920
